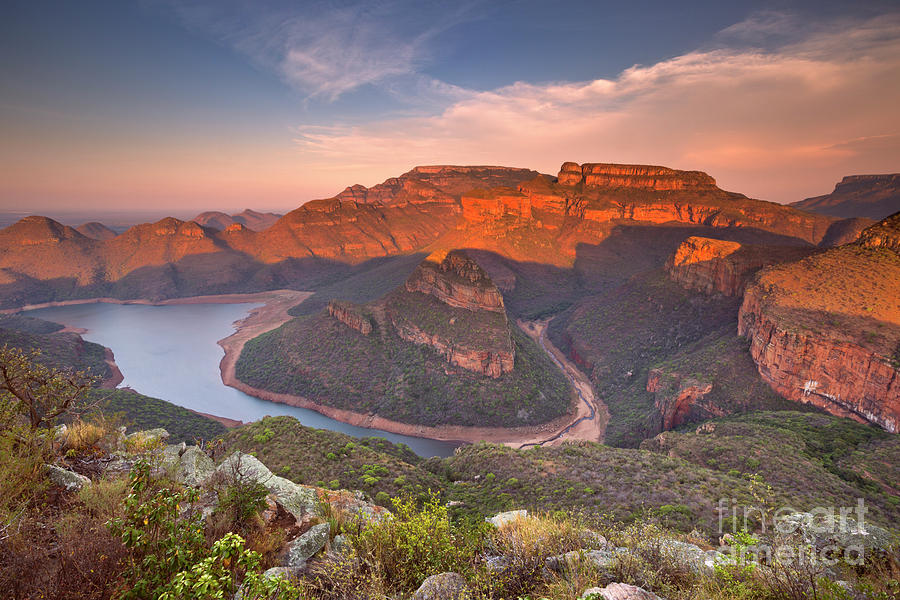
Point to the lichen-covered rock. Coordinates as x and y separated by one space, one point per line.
299 500
146 439
307 545
443 586
692 556
194 467
821 530
66 479
501 519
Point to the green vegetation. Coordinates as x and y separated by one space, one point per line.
59 350
808 459
28 324
825 461
143 412
319 358
482 329
334 460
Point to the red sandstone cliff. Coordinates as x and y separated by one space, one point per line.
718 266
603 175
826 330
456 280
514 212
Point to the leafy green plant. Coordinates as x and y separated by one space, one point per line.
163 540
416 543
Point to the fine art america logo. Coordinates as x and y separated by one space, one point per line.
823 535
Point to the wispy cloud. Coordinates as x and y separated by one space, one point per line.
328 48
775 123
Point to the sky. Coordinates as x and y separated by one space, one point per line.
181 106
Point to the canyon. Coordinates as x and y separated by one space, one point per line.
588 229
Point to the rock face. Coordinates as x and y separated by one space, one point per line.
456 280
718 266
675 396
826 330
462 317
885 234
545 219
443 586
618 591
66 479
350 315
307 545
872 196
646 177
843 378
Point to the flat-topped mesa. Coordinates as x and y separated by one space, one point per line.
645 177
871 196
718 266
350 315
456 280
435 184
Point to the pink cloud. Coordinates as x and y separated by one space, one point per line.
779 125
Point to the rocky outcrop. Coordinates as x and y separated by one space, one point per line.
676 396
872 196
350 315
491 363
618 591
443 586
645 177
435 183
463 317
456 280
885 234
718 266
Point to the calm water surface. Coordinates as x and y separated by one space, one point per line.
170 352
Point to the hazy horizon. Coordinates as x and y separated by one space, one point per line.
193 106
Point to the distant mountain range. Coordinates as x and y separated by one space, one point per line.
251 219
872 196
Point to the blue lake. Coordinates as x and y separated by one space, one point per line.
170 352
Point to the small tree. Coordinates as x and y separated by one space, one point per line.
38 392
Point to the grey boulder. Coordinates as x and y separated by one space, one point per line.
443 586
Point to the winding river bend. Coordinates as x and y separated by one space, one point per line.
171 352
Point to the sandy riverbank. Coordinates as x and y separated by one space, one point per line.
274 313
587 424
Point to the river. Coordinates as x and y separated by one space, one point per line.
170 352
